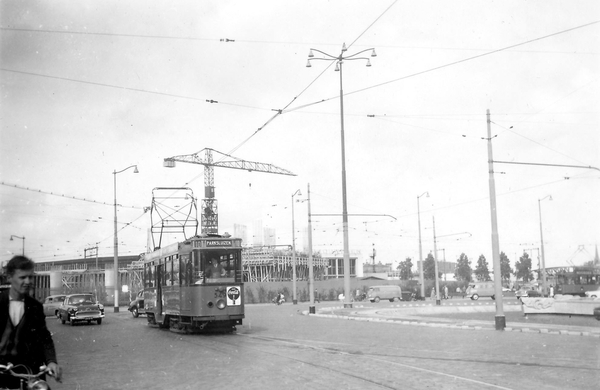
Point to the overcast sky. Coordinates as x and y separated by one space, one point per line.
90 87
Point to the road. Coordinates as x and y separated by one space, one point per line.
281 347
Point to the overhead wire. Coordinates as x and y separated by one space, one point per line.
450 64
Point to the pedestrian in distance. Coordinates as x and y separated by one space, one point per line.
445 292
24 338
432 293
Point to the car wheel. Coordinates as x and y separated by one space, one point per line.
493 297
72 321
99 320
62 319
56 314
376 299
475 297
135 313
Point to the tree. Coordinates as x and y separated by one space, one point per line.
405 269
505 270
523 268
463 271
429 268
482 273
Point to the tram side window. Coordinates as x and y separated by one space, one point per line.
148 277
175 273
187 271
168 272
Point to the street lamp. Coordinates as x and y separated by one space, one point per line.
22 238
549 197
294 299
339 60
116 246
421 279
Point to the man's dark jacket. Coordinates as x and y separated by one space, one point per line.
35 346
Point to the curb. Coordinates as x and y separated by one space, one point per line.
521 329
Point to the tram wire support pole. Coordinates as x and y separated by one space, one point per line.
435 262
542 258
311 286
421 277
339 60
500 319
116 243
294 297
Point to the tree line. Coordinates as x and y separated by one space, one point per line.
464 272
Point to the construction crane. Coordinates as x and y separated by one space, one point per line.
206 157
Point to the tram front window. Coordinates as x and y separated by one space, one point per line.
216 268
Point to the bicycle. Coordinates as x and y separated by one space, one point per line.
28 381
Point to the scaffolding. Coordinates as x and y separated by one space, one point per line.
268 265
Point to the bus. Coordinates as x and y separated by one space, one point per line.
574 280
195 285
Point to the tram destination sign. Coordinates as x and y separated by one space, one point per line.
215 243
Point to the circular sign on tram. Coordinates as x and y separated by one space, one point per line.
233 296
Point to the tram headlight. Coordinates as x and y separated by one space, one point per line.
221 304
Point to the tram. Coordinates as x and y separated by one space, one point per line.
195 285
575 280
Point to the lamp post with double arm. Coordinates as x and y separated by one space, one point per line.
339 60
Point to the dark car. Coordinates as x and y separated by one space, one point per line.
136 307
528 292
80 308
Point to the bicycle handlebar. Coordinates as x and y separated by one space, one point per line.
9 368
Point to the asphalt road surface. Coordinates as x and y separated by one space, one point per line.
279 347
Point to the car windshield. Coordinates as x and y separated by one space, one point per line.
81 300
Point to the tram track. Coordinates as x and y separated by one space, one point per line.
346 360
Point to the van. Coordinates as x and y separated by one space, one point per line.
376 293
481 289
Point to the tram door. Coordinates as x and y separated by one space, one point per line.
159 294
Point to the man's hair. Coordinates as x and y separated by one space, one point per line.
19 262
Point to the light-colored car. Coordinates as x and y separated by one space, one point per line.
593 293
80 308
390 292
52 303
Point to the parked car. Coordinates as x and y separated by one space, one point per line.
136 307
593 293
80 307
52 303
527 292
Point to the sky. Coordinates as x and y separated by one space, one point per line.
90 88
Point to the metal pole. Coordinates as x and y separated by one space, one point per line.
437 283
116 250
500 319
311 288
421 278
294 298
543 259
347 293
